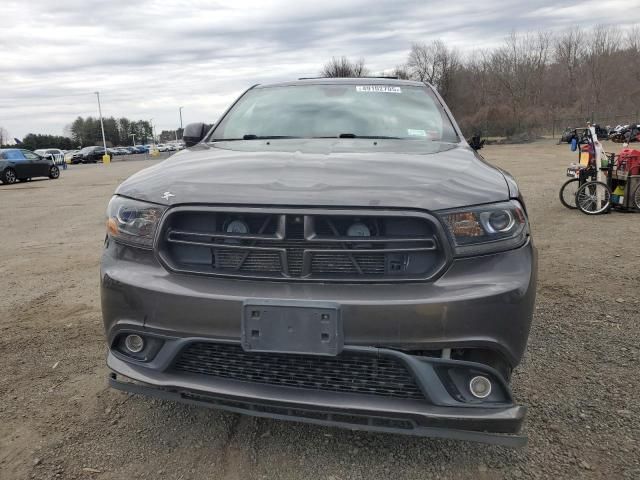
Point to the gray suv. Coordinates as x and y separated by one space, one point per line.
332 251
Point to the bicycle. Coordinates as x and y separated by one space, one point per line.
579 176
594 197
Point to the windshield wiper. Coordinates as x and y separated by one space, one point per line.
353 135
251 136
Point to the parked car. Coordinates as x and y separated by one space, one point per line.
123 150
21 165
568 134
162 147
54 154
68 155
88 155
339 255
142 148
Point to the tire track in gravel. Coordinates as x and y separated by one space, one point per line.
240 448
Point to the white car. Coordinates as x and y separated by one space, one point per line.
162 147
54 154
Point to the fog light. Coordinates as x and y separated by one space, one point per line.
480 387
135 343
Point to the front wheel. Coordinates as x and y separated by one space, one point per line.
568 193
9 176
593 198
635 198
54 172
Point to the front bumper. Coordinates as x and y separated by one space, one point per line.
480 302
496 421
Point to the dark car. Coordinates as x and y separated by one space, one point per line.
568 135
20 165
332 251
88 155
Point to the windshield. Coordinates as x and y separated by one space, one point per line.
330 111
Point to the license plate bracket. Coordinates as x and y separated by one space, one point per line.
313 328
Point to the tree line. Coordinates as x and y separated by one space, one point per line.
533 82
84 132
121 131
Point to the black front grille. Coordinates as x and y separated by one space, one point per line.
346 373
301 246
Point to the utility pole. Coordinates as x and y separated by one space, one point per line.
181 129
134 138
104 141
153 150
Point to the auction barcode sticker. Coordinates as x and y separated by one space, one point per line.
378 89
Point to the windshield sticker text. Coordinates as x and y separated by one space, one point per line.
378 89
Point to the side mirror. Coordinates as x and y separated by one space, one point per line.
194 133
476 143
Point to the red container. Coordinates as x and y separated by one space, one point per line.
629 161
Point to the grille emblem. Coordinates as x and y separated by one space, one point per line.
167 195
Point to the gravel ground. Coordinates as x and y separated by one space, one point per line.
59 420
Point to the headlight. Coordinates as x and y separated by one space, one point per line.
132 221
487 228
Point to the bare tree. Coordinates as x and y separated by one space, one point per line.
632 43
603 42
402 72
343 67
569 53
632 40
433 63
519 67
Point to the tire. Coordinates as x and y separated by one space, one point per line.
635 198
586 198
54 173
568 193
9 176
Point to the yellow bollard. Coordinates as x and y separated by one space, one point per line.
106 159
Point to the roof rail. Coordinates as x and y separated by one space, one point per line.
318 78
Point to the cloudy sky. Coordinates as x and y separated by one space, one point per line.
147 58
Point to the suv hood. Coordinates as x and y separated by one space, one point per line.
322 172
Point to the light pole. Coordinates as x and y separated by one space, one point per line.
104 141
134 138
181 129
